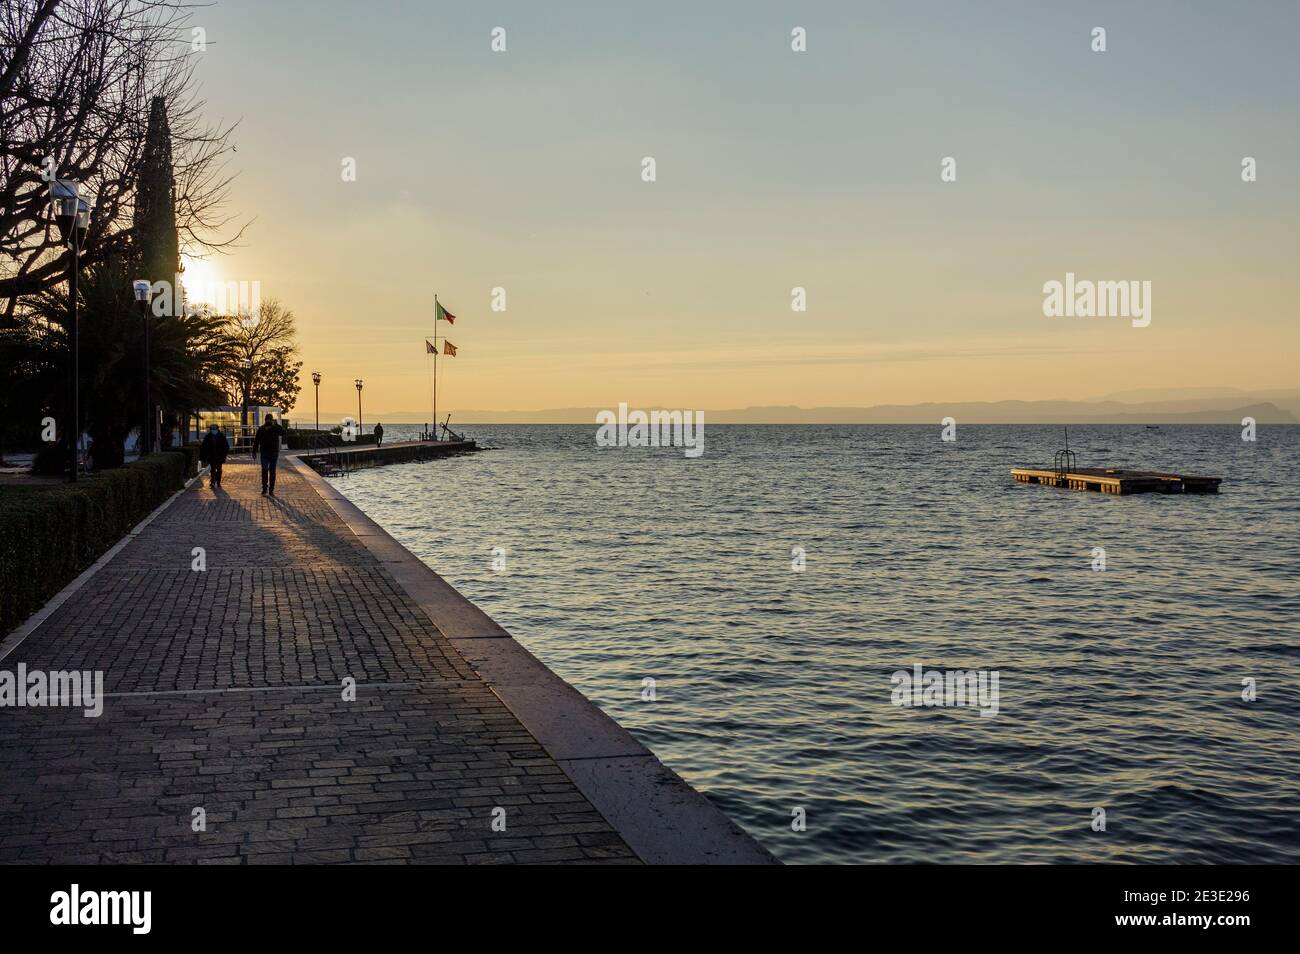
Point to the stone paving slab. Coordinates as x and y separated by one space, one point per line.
406 772
223 628
656 813
225 692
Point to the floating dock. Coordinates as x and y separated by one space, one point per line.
1116 481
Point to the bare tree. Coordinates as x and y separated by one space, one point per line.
76 81
263 345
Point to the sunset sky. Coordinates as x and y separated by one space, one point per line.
775 169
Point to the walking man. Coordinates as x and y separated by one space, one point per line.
213 452
267 440
379 435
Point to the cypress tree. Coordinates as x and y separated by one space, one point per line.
157 241
157 244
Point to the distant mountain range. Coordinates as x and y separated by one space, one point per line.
1150 406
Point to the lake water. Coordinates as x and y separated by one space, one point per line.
1118 690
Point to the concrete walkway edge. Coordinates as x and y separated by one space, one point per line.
662 818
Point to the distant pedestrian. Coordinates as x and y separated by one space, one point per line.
379 435
267 440
213 452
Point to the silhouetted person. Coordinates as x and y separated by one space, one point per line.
267 440
379 435
213 452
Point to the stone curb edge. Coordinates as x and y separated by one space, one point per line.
662 818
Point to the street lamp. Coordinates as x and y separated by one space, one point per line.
72 216
358 383
249 322
247 365
141 286
315 379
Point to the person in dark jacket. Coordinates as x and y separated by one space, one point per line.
379 435
213 452
267 441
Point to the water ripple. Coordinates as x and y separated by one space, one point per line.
1119 690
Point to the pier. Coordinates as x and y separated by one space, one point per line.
1117 481
331 461
283 682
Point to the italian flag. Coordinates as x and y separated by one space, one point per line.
443 314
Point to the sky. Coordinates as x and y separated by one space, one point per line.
775 169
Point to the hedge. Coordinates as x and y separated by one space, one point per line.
191 452
299 439
311 440
49 534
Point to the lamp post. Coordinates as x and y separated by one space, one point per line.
72 216
315 379
358 383
142 287
247 365
249 323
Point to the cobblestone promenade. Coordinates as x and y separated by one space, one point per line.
224 691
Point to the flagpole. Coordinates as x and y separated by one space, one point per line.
427 368
435 366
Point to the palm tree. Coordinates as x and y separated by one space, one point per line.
192 355
189 354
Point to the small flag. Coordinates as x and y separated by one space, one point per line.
443 314
448 348
430 347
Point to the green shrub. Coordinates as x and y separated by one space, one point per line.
50 533
191 452
297 439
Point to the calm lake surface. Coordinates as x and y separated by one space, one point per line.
1120 689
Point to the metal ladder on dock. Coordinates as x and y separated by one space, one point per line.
1065 462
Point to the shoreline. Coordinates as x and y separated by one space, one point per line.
661 817
456 707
